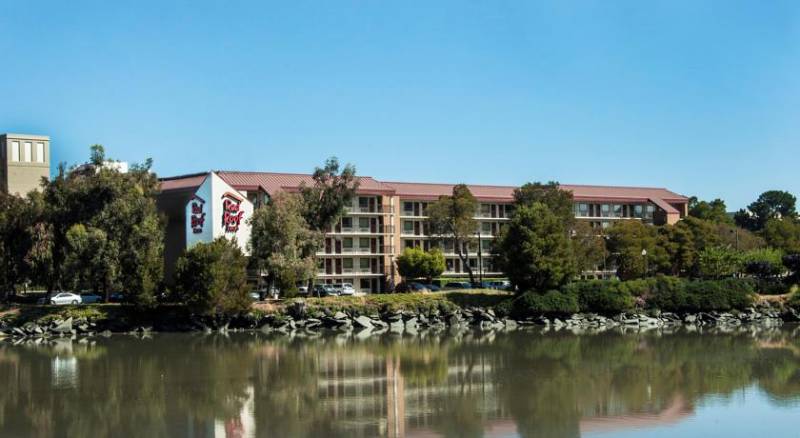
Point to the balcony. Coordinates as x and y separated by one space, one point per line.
359 209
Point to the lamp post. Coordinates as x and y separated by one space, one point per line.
646 267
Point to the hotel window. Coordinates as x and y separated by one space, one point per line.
448 265
40 152
408 208
366 284
347 222
363 204
347 263
583 210
637 210
449 246
617 210
364 264
347 242
363 242
363 222
486 210
649 210
424 208
28 151
15 151
486 228
408 243
408 227
605 210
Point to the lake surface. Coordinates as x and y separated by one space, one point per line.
527 383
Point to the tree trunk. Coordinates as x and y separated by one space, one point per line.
464 257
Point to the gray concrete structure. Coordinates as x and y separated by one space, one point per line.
24 161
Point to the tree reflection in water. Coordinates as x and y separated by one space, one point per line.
471 385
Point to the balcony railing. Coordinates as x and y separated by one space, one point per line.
377 209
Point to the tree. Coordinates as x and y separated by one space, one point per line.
783 234
588 246
415 263
282 243
772 204
718 262
560 202
453 217
332 191
15 222
637 249
211 278
713 211
535 251
120 205
92 259
763 263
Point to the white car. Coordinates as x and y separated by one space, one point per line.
91 298
347 289
63 298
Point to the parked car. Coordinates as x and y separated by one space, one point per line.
500 285
91 298
255 295
432 287
347 289
302 290
417 287
63 298
116 297
458 285
323 290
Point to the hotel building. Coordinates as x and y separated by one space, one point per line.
384 218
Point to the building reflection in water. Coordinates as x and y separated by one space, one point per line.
520 384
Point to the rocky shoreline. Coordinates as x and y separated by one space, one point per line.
298 318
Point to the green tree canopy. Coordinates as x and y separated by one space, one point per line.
333 189
415 263
637 249
772 204
211 278
453 217
560 202
783 234
712 211
535 250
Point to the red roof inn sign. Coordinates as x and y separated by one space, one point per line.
232 213
198 216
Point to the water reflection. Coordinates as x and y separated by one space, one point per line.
474 385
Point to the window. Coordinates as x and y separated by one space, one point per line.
15 151
486 210
347 222
347 263
408 227
363 242
408 208
347 242
486 228
366 284
363 202
448 265
637 210
605 210
583 210
40 152
28 151
617 210
363 222
364 263
408 243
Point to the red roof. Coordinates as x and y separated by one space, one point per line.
272 182
183 182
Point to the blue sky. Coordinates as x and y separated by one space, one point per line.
700 97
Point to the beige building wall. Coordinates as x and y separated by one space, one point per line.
25 161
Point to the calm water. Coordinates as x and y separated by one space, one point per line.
499 385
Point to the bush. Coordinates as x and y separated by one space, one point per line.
551 303
763 263
676 295
604 296
211 279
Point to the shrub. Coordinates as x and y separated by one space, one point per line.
677 295
211 278
602 296
551 303
763 263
